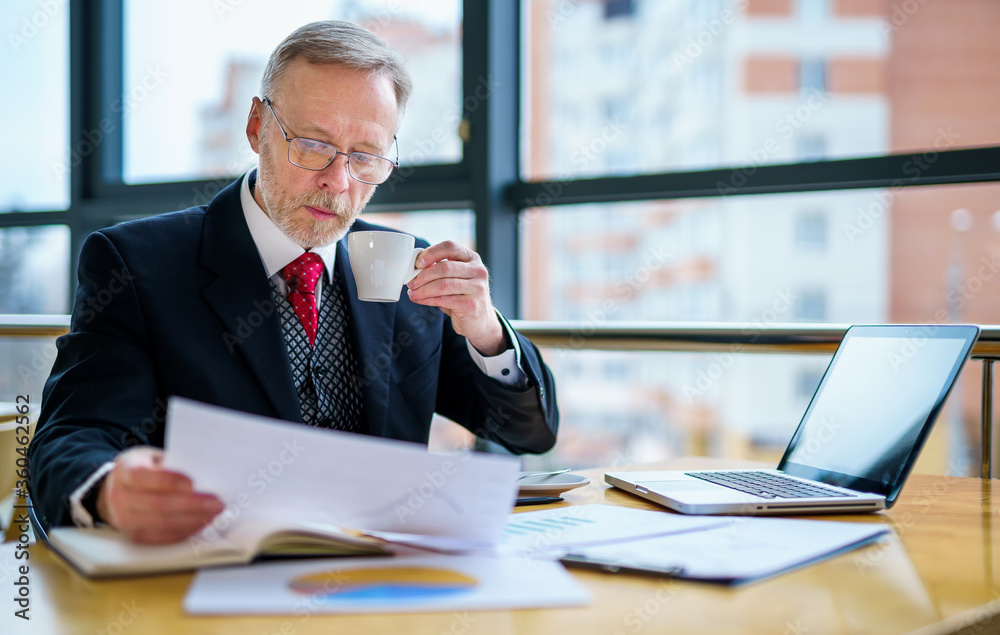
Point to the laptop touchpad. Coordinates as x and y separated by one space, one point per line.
689 485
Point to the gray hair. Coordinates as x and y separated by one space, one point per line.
337 42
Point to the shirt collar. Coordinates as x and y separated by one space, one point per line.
277 249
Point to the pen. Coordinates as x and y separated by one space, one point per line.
580 561
538 500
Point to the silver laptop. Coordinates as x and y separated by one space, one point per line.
857 441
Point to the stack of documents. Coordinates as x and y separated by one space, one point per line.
731 550
292 490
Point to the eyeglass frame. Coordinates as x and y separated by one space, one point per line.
336 152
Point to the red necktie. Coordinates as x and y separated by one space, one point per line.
301 275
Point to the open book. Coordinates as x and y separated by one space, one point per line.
103 552
292 490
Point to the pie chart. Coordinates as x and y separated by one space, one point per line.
378 584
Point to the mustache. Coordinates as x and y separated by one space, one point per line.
332 203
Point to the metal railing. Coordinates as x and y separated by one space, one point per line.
701 337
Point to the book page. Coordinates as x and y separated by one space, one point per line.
104 551
262 536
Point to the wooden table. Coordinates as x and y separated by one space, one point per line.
936 574
8 411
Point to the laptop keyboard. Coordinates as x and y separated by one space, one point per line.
767 485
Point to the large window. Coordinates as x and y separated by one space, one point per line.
187 98
712 83
690 160
918 255
432 226
34 269
36 158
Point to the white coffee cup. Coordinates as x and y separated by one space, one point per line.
382 262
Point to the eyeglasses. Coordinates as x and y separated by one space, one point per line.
311 154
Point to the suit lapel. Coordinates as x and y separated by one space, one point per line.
241 296
371 332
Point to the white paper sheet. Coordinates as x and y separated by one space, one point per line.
265 468
384 585
553 531
742 549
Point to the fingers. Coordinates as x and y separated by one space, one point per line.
448 277
447 250
454 279
153 479
150 504
449 269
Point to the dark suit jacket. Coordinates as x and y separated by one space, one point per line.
180 304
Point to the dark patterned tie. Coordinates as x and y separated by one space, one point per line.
301 275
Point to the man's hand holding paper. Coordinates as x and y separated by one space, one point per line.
151 504
277 469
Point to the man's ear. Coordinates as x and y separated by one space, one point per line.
254 124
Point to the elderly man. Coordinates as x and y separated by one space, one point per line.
250 303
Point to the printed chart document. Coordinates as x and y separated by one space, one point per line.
384 585
291 489
554 531
740 550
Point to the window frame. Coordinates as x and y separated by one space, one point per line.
486 180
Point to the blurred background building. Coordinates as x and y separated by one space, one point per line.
618 88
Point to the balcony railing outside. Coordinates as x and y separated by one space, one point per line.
703 337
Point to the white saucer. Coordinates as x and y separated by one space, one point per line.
550 485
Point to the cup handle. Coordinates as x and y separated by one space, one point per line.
413 265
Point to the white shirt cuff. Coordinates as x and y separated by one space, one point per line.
505 367
81 517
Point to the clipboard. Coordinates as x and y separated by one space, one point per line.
749 550
582 561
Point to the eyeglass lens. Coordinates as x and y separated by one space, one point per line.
316 156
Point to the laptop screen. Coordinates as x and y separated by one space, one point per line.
876 404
